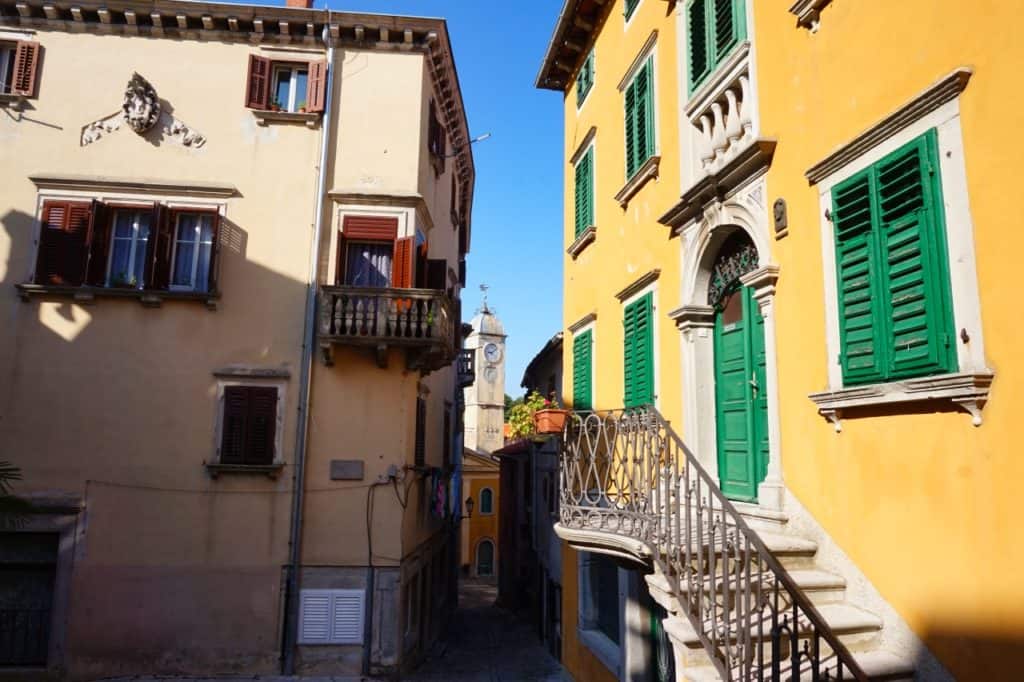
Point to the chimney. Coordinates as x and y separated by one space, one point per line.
301 4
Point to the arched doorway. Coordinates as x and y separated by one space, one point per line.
485 558
741 396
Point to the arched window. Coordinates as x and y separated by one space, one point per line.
485 558
486 501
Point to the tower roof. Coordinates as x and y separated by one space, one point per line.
486 322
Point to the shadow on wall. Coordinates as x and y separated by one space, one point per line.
974 655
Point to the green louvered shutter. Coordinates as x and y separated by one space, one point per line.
916 278
585 79
728 20
631 152
631 7
585 192
582 370
696 21
639 352
857 278
645 113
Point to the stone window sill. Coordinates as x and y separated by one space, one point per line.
88 295
647 171
606 651
269 470
586 237
969 390
266 117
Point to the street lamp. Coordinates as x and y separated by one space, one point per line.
469 507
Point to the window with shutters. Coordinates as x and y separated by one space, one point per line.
331 616
420 445
892 268
288 86
249 425
602 596
370 253
638 351
437 143
584 191
583 370
19 63
639 118
629 8
585 79
118 245
714 28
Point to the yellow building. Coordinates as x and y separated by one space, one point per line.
480 476
232 265
825 249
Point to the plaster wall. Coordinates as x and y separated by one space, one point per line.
922 501
630 242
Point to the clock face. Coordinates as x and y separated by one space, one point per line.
490 374
492 352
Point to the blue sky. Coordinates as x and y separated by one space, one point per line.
517 212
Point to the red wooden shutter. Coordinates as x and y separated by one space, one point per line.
317 86
161 240
339 269
26 62
401 266
99 246
63 243
213 277
258 82
372 228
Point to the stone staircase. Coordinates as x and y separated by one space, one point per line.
858 629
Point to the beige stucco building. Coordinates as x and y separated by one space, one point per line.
228 336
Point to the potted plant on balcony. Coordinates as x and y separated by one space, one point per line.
550 418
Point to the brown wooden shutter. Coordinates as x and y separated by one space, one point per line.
26 63
372 228
99 246
258 82
161 241
249 425
420 446
234 424
401 266
339 269
317 86
63 243
213 277
262 425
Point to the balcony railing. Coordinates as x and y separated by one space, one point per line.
419 320
467 367
627 474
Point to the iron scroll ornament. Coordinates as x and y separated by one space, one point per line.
737 257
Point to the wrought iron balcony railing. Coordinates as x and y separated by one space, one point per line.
419 320
628 474
467 367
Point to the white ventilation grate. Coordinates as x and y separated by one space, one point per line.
331 616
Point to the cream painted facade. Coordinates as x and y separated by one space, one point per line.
895 489
113 400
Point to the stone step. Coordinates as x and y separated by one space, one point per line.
821 587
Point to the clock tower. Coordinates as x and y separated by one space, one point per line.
485 399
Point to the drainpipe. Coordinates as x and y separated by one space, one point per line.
290 622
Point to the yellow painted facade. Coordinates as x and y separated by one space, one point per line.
479 474
915 495
922 501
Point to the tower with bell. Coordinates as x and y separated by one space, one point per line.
485 398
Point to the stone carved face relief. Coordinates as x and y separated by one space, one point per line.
141 104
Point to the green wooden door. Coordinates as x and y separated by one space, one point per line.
741 405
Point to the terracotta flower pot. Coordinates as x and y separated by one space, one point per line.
550 421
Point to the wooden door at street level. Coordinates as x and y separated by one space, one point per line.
741 404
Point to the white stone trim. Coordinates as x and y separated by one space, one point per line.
807 13
646 50
963 275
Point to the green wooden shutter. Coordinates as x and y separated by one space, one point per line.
696 21
895 312
912 240
727 29
582 370
639 352
857 281
585 78
631 153
582 179
630 8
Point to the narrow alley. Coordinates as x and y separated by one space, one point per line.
488 643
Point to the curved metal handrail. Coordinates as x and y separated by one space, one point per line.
627 472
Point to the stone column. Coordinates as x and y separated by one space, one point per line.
696 324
